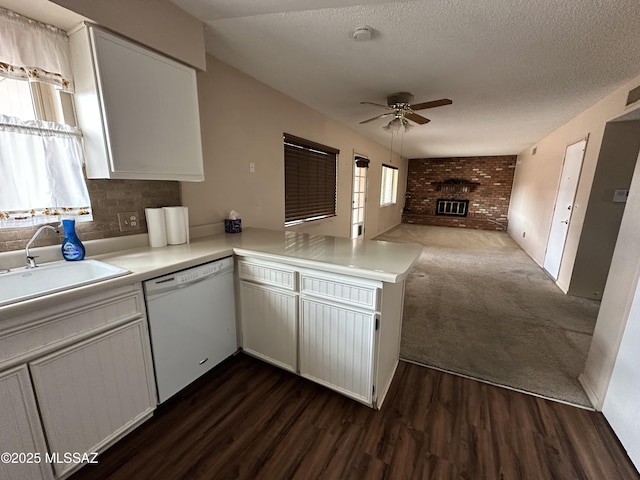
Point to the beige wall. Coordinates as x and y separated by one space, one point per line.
532 204
158 24
617 300
537 176
242 121
616 163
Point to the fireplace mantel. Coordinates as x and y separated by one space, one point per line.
455 185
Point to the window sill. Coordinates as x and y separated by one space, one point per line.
293 223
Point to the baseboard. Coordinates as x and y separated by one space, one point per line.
382 394
386 230
591 394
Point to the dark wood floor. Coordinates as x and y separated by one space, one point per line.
249 420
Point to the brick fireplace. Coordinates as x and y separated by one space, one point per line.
468 192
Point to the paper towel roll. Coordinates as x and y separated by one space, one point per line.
156 227
185 210
175 221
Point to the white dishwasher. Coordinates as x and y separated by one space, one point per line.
192 323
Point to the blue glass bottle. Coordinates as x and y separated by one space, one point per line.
72 248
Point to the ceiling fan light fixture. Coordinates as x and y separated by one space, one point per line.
363 34
397 123
394 125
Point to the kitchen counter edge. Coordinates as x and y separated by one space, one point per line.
145 263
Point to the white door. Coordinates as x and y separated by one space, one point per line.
337 347
20 431
360 168
564 207
269 324
91 393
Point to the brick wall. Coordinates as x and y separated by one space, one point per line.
108 198
488 201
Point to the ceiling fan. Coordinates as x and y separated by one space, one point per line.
400 107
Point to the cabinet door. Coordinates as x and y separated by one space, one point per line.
20 430
336 347
148 107
92 392
268 319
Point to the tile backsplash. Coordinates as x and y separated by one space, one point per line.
108 198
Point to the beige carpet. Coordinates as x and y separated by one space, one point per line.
477 305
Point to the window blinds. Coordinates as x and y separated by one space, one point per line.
310 180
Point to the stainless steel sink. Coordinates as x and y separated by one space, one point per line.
24 283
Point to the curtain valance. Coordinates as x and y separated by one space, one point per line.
34 51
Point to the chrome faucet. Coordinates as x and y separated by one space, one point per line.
31 260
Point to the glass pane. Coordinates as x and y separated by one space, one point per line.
15 99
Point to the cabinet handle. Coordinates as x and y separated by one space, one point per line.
203 361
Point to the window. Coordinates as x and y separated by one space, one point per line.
389 188
309 180
41 153
35 101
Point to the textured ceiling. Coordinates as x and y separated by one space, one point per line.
515 69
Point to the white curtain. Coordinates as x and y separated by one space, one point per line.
34 51
41 173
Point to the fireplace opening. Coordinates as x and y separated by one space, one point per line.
452 207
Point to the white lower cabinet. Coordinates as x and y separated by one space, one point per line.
20 430
334 333
74 378
337 347
91 393
269 324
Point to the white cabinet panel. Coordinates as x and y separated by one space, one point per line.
337 347
138 110
68 322
269 319
341 289
20 430
267 274
94 391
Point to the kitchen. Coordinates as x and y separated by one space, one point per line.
226 164
111 314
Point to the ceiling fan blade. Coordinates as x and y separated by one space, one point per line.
417 118
434 103
376 104
379 116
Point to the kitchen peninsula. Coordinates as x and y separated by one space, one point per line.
326 308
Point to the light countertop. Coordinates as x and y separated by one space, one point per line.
376 260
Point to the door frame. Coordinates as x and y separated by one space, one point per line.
353 222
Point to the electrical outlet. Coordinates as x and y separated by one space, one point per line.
128 221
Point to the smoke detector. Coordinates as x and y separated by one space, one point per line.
362 34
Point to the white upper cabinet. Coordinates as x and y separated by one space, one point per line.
137 109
